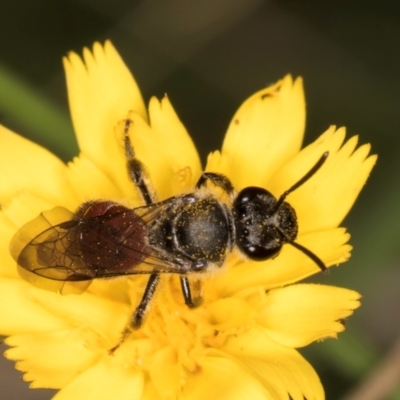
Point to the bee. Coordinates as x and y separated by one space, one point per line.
190 233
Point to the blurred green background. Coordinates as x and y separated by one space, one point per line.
209 56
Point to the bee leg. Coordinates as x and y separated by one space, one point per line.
138 316
218 180
136 170
187 292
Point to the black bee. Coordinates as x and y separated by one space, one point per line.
186 234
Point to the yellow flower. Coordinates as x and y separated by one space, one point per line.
241 342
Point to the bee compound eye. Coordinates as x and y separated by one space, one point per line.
250 193
259 253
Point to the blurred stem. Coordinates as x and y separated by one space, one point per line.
383 381
43 120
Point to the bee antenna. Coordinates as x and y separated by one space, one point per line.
305 251
311 255
304 179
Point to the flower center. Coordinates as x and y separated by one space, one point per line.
185 334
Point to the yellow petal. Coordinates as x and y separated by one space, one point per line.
324 200
219 377
101 91
27 166
149 392
104 381
172 356
166 373
112 289
265 132
280 369
220 162
7 265
103 315
21 314
289 266
297 315
229 311
22 208
26 206
52 359
164 147
89 182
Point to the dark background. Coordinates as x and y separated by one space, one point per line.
209 56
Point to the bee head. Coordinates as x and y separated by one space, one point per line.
262 223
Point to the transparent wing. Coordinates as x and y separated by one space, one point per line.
64 252
23 250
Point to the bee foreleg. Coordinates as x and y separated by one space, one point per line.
218 180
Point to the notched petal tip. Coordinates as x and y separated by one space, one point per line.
161 113
101 90
53 359
90 55
73 62
281 369
325 199
220 163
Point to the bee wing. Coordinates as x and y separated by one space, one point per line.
32 229
63 287
129 241
43 235
63 252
